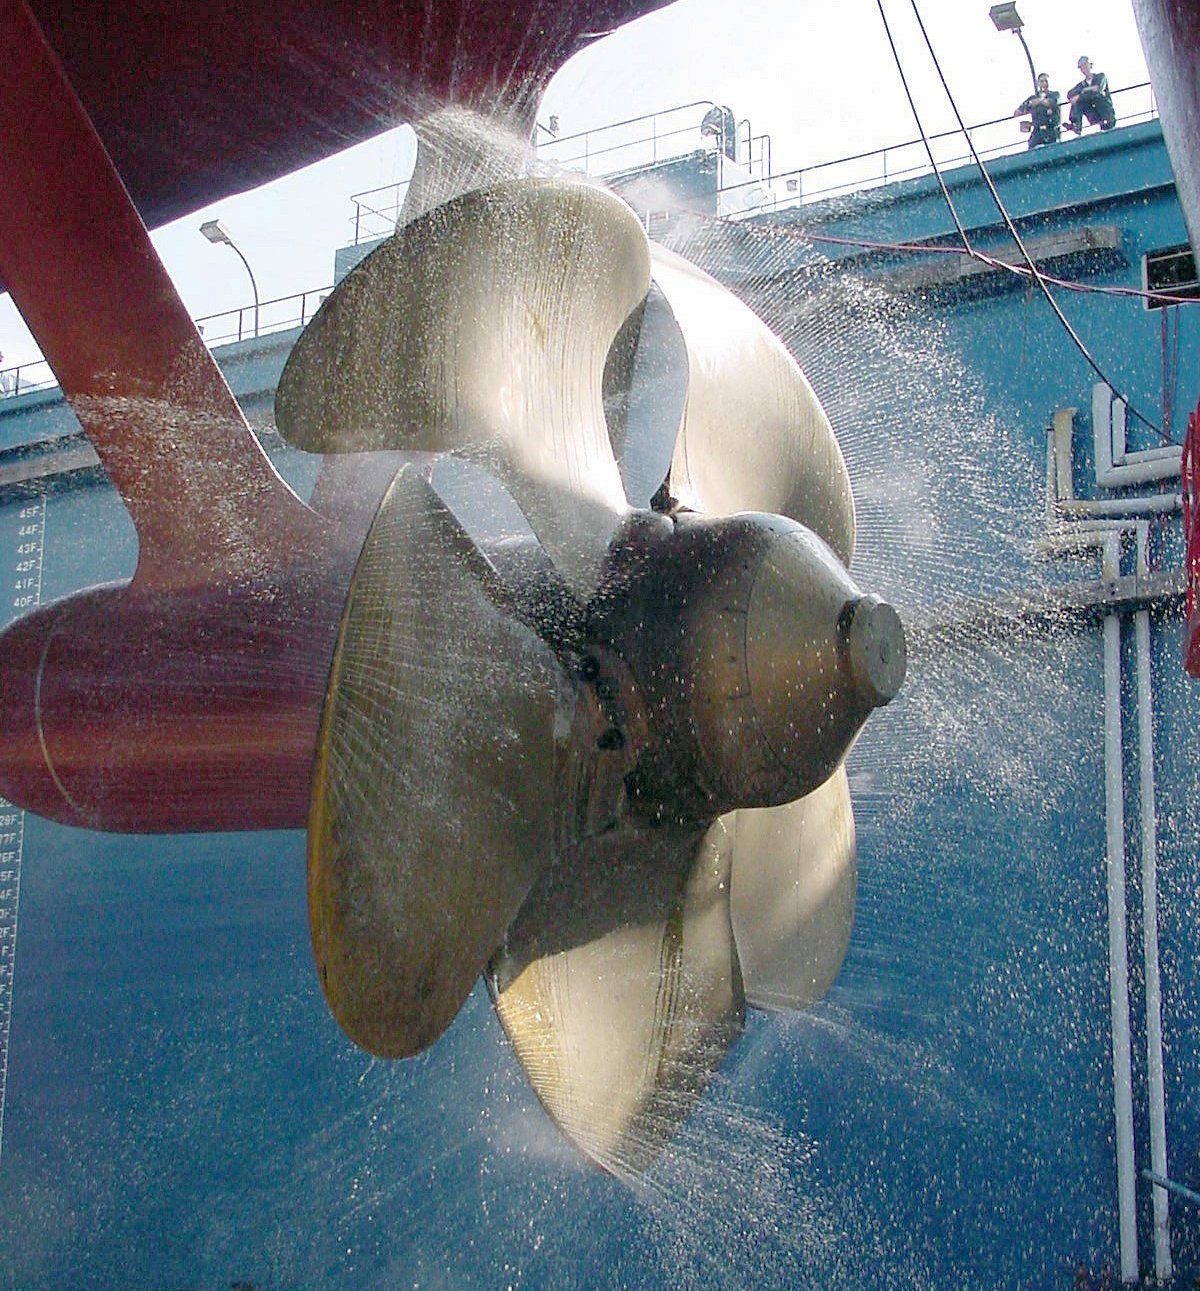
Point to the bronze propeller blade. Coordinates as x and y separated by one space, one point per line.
619 988
483 327
754 437
433 790
645 393
793 894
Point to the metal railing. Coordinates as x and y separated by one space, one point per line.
606 150
908 160
25 378
750 185
377 210
277 315
225 328
636 141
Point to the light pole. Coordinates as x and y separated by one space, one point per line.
215 231
1005 18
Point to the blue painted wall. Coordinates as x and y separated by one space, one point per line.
980 951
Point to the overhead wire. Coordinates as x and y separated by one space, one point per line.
1029 267
1035 273
962 232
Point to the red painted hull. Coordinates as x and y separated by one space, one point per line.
190 709
194 101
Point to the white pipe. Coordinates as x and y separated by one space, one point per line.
1083 535
1115 465
1102 526
1060 489
1154 1044
1118 959
1064 454
1087 535
1052 490
1121 508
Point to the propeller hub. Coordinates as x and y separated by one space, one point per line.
759 656
877 654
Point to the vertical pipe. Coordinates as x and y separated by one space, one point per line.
1118 960
1051 481
1064 435
1154 1045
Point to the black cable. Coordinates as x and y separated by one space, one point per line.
1034 271
962 233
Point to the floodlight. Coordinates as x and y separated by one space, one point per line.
1005 17
215 231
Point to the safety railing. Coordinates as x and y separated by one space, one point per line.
624 145
25 378
607 150
908 160
377 210
225 328
248 321
749 185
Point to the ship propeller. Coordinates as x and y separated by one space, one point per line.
599 663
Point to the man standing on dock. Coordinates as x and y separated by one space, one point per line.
1090 98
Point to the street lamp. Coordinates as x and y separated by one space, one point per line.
1005 18
215 231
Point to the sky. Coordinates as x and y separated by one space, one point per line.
819 79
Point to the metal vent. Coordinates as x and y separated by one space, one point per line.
1172 272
